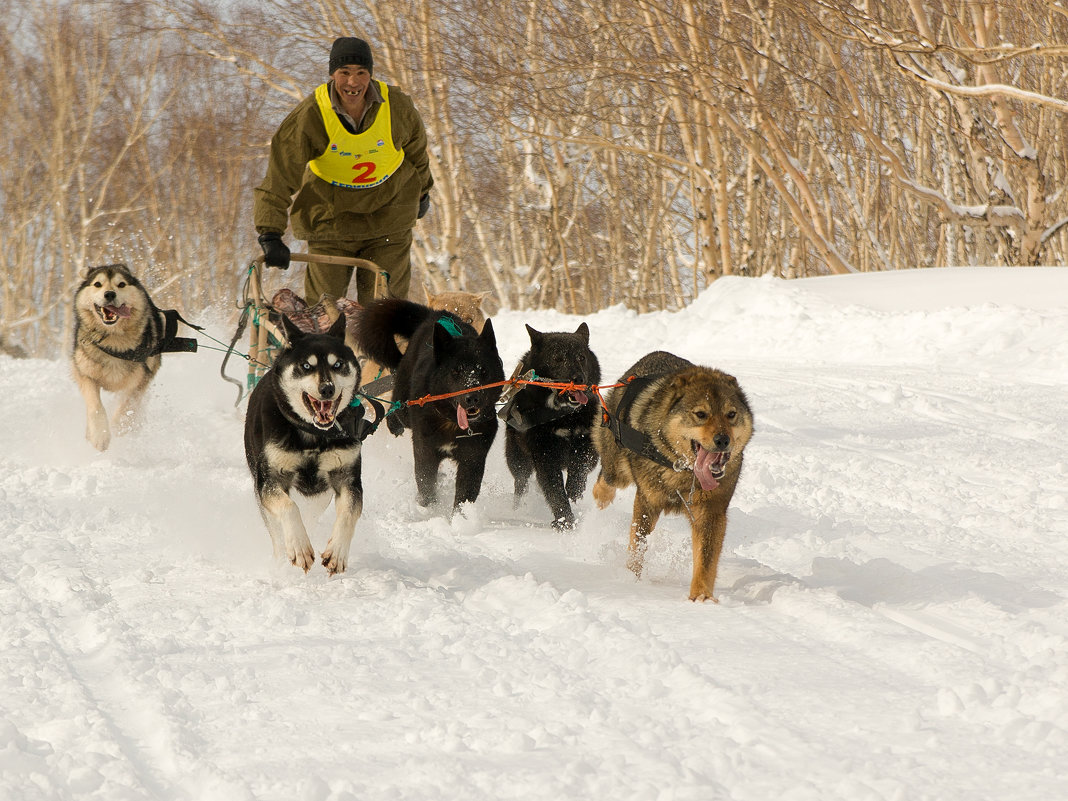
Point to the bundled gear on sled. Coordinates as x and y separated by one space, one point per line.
263 317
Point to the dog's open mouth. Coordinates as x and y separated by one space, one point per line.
709 466
465 415
578 398
568 399
323 411
111 314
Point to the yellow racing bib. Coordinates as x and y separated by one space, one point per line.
356 161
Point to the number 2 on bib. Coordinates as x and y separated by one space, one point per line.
365 172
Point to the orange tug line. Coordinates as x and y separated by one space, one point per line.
557 385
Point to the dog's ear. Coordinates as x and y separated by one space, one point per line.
442 338
337 330
584 333
534 334
487 334
292 332
677 387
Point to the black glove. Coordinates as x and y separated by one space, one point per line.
275 250
424 206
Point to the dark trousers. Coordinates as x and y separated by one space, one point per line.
391 253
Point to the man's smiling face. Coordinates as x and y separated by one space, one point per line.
352 82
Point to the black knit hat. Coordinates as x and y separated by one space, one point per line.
350 50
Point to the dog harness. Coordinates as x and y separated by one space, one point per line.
361 427
524 421
626 435
356 161
168 342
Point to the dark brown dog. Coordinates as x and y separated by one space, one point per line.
685 428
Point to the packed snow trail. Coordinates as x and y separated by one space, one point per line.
892 606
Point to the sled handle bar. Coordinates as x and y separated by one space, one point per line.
319 258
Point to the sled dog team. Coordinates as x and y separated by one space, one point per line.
674 430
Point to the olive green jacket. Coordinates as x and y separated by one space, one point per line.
322 212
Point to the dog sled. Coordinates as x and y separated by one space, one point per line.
263 318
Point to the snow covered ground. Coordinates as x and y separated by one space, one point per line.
894 590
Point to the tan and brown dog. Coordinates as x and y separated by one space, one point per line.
465 305
678 432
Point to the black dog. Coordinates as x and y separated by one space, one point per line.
301 433
445 355
549 429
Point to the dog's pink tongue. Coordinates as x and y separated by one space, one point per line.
324 410
119 311
580 397
461 416
703 471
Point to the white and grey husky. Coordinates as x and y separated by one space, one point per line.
117 331
302 433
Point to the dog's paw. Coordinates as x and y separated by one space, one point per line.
301 555
125 422
635 564
335 562
563 524
99 436
603 493
700 596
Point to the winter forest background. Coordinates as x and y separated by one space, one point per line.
585 154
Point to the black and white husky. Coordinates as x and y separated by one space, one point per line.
301 433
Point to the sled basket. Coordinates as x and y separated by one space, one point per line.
264 316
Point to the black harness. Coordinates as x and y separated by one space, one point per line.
378 386
152 345
626 435
363 427
521 421
524 420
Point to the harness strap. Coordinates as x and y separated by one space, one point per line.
364 427
450 325
378 386
626 435
524 421
171 343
